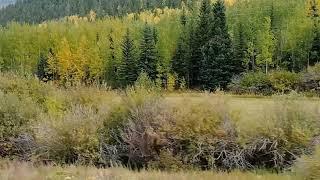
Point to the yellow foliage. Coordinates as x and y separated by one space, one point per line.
66 63
171 83
312 4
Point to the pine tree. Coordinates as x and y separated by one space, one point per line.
218 63
240 51
180 60
43 69
111 64
198 38
314 56
183 18
128 69
148 54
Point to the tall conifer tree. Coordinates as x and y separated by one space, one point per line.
128 69
180 60
111 68
148 53
218 63
198 39
43 69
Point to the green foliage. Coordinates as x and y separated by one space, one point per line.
266 44
199 36
315 50
148 55
73 138
218 63
180 60
279 81
283 81
167 162
139 128
128 67
37 12
15 119
251 83
196 122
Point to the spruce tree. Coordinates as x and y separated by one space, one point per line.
43 69
198 38
218 63
183 18
111 64
240 51
180 60
148 54
314 56
128 68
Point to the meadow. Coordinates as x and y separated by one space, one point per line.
16 171
53 132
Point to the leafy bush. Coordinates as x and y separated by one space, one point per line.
16 121
255 82
168 162
266 84
73 138
26 87
284 81
15 118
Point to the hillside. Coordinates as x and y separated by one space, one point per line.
4 3
35 11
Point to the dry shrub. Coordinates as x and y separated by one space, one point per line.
281 133
203 134
168 162
308 167
24 87
15 126
133 130
71 138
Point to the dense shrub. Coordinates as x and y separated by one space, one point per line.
131 130
16 126
72 138
284 81
268 84
310 81
254 82
26 87
281 132
15 118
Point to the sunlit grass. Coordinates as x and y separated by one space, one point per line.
25 171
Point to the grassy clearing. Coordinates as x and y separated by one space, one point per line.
18 171
144 128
